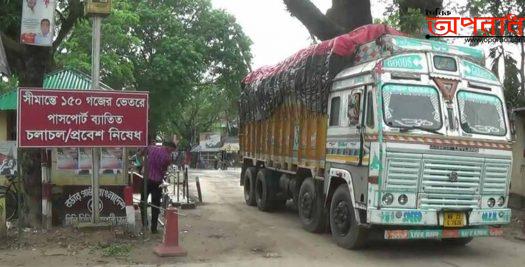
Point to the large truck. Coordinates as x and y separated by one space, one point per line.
377 131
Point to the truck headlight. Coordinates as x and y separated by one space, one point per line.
501 201
491 202
402 199
388 199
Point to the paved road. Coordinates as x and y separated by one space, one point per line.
225 231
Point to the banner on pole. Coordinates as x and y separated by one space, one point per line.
37 22
73 118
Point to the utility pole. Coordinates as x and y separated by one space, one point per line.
95 152
97 9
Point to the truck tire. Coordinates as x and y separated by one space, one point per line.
457 242
249 186
263 191
343 224
311 208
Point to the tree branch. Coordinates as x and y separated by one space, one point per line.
11 46
76 11
350 14
313 19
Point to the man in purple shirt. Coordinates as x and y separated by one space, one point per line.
158 160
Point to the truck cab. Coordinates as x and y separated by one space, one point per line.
419 132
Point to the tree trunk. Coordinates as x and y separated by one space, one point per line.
343 17
30 63
346 15
350 14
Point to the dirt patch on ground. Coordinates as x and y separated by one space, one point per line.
516 229
68 246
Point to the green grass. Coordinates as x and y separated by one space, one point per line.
114 250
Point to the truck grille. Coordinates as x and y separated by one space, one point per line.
439 191
429 174
496 173
403 170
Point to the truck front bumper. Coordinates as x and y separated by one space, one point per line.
443 233
418 217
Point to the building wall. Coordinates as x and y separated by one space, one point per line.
518 165
3 137
3 125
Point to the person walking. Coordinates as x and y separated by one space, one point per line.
158 158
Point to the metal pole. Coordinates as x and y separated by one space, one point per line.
95 152
198 188
178 185
19 194
144 211
187 186
95 71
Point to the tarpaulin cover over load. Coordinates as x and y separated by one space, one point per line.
304 77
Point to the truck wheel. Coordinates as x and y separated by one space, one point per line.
249 186
345 229
263 194
458 242
311 210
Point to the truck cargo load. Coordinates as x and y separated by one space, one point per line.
304 77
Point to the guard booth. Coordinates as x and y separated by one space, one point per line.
208 152
230 151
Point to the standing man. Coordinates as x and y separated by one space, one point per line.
158 159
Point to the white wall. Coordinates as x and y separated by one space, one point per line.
518 164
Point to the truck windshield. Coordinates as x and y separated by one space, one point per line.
411 106
481 113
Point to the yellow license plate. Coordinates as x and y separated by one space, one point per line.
454 219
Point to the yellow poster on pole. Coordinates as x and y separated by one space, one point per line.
98 7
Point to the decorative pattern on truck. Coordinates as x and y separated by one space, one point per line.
472 71
401 43
443 141
410 62
342 151
442 233
371 51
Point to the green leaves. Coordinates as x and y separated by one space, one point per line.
190 57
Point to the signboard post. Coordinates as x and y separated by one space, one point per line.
97 9
95 54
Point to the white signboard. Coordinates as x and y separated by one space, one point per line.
37 22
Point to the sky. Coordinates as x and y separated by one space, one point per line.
274 32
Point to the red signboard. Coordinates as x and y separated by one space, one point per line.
67 118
